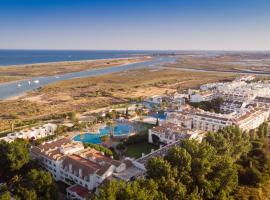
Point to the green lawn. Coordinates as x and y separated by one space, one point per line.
136 150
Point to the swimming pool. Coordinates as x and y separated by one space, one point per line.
160 116
118 130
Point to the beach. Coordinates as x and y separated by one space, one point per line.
21 72
12 89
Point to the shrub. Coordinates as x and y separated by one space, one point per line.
97 147
138 138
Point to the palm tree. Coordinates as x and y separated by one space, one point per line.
154 108
111 125
126 112
157 122
81 137
104 138
12 124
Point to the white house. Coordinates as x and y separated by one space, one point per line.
156 99
180 98
33 133
202 96
232 106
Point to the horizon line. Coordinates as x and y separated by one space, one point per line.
221 50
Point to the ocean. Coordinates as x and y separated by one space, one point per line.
20 57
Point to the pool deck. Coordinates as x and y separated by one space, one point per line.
100 126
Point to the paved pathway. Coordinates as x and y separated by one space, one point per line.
158 153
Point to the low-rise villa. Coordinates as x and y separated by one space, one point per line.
33 133
168 133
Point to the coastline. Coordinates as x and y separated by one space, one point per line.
19 89
16 97
63 67
72 62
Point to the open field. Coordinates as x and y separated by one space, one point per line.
225 61
13 73
91 93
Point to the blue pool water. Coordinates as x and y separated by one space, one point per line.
119 130
160 116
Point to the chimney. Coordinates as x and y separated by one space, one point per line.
80 172
70 167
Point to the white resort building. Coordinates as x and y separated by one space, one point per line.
69 162
252 118
208 121
247 119
168 133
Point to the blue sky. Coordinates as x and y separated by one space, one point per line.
135 24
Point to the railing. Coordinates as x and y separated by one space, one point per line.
158 153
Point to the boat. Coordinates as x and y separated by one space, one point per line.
19 85
36 81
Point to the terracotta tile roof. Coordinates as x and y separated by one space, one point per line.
262 99
128 163
98 156
77 162
53 144
79 190
207 93
254 112
168 126
87 166
87 161
212 116
103 169
51 149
